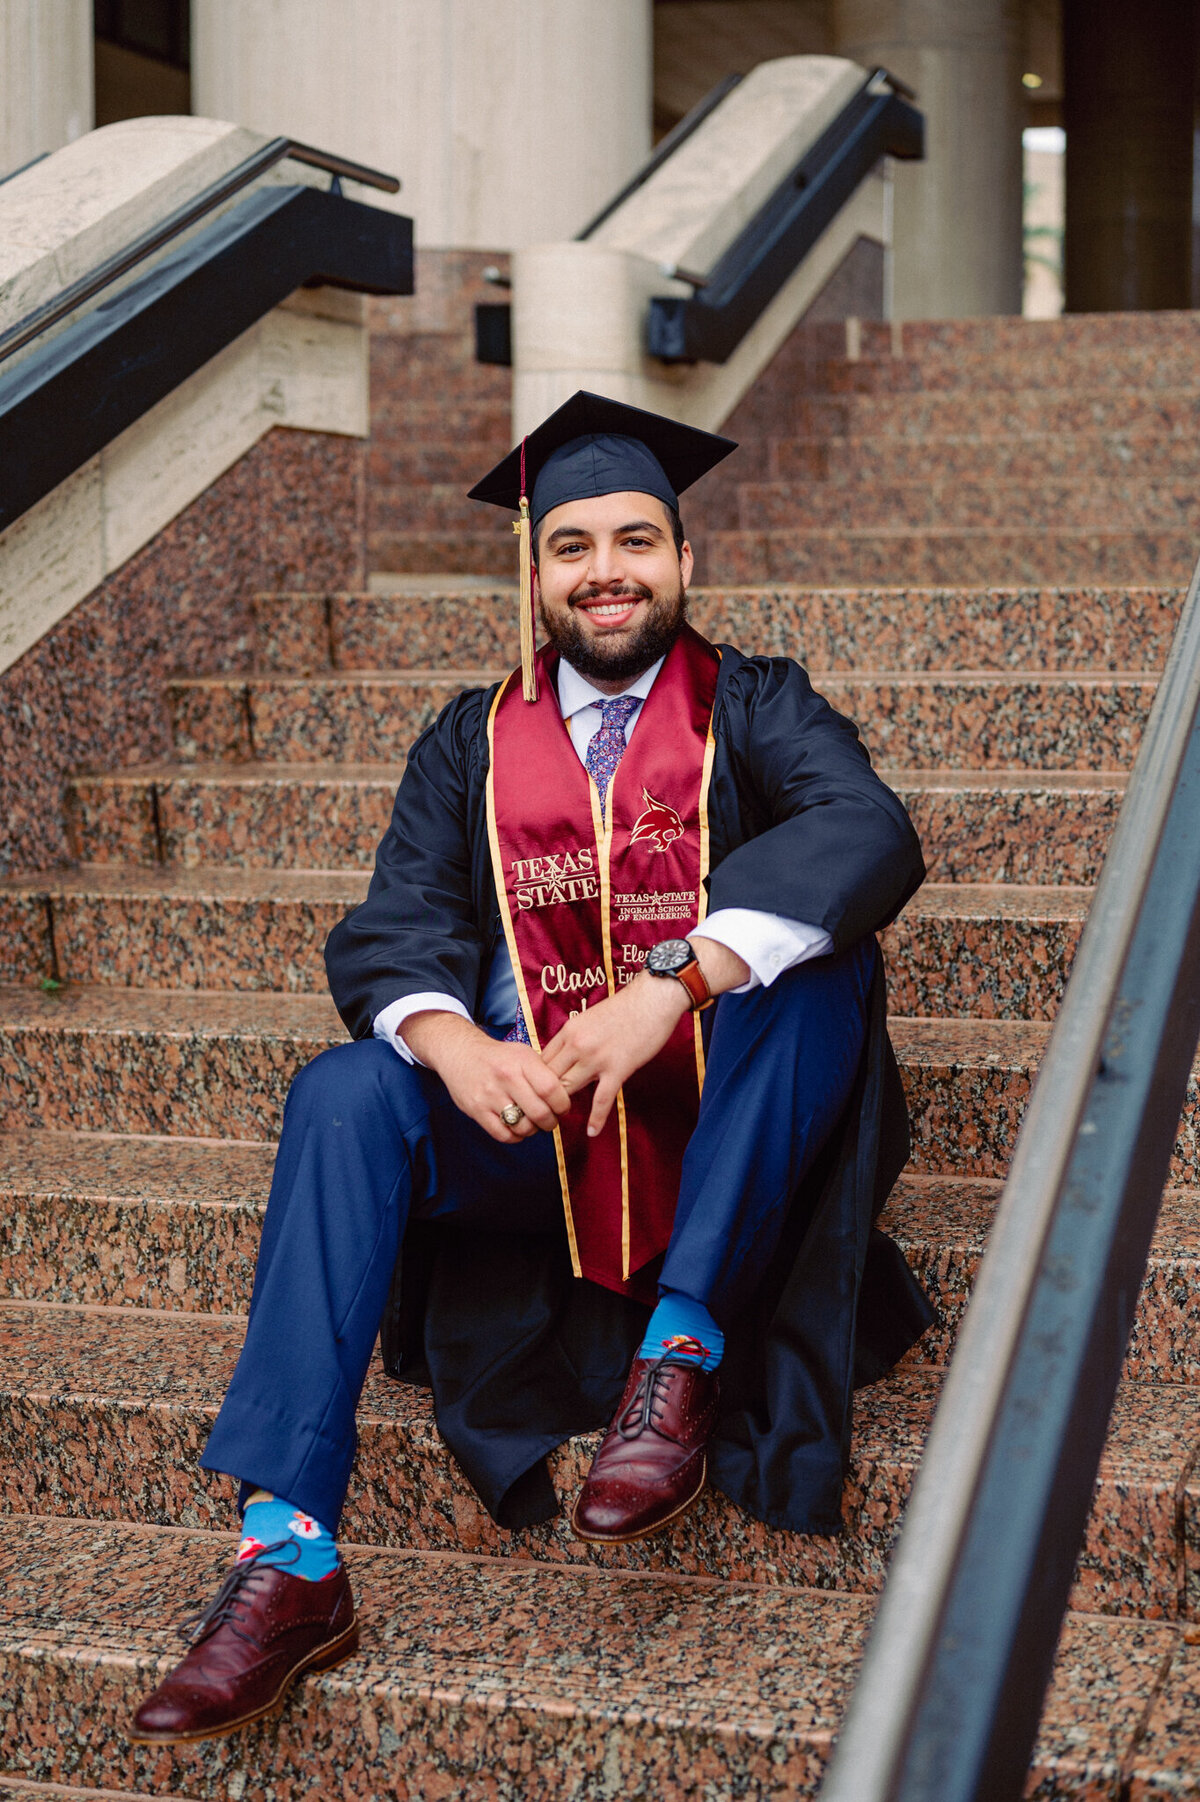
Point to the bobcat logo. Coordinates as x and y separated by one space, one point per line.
658 827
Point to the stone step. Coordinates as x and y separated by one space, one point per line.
1040 363
143 1061
976 949
104 1220
18 1789
438 624
202 1065
402 463
1097 457
943 1222
975 826
953 719
1131 503
495 1681
1013 557
306 816
77 1204
777 410
140 1391
217 927
493 552
989 951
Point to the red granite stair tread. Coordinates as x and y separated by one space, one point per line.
216 882
504 1682
99 1167
833 628
279 775
17 1789
937 503
851 461
989 719
175 1013
1031 902
988 557
139 1392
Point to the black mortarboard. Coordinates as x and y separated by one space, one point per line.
592 446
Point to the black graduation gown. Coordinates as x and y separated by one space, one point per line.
520 1354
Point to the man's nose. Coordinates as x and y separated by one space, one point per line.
606 565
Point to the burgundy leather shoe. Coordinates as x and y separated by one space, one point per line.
263 1629
651 1464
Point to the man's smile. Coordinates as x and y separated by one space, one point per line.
610 613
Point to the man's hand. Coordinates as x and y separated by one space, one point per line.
483 1075
606 1043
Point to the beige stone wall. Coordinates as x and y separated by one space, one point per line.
45 77
508 121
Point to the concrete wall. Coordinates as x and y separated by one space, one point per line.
508 121
45 77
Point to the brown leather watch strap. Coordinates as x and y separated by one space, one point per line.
692 978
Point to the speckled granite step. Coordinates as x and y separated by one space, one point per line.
991 951
435 622
216 927
984 826
206 1065
194 1064
1097 457
504 1683
990 558
1130 504
115 1220
100 1220
252 816
490 552
938 719
986 950
17 1789
139 1391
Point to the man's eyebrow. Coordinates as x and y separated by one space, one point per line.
633 525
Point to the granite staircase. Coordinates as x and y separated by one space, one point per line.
977 537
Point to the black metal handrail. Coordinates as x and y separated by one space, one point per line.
710 324
956 1668
112 268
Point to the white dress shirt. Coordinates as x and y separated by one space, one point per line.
767 943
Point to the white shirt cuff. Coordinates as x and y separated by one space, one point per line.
390 1019
767 942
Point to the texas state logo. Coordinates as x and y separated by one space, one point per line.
658 827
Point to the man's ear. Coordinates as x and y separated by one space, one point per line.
687 563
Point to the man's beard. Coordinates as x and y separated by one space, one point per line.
623 660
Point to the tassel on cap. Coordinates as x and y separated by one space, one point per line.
522 527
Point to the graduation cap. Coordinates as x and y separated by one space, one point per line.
592 446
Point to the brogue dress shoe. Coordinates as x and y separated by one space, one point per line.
263 1629
651 1464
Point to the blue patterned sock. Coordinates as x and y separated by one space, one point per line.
684 1327
303 1547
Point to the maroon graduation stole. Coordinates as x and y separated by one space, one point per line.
583 899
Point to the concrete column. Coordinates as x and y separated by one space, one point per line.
957 224
508 121
46 92
1128 111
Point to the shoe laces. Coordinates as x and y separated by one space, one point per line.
649 1398
225 1609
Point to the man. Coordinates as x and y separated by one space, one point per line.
619 1086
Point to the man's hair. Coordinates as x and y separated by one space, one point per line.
672 513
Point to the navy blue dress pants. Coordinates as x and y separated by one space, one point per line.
370 1142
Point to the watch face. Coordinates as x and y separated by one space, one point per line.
669 956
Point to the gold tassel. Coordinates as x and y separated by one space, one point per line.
529 681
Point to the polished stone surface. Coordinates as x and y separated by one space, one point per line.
503 1680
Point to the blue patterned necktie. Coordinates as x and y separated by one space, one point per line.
607 746
605 751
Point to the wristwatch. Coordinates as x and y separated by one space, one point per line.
675 957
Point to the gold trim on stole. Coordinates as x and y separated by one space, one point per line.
518 972
710 748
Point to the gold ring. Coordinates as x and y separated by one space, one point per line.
512 1115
